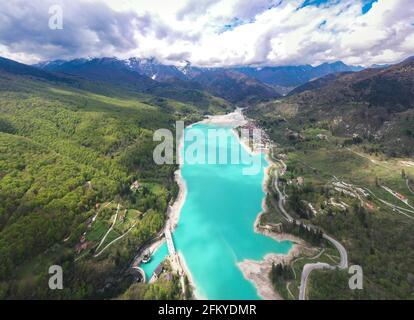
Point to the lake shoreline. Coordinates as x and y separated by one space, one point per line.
235 118
258 271
173 217
253 271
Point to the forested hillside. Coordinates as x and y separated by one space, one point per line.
196 86
69 152
347 146
377 105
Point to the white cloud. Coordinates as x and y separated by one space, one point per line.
215 32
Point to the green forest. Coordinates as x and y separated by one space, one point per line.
69 152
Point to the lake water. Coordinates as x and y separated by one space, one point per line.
215 230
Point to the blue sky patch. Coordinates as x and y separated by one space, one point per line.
367 4
317 2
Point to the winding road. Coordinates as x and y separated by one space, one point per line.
309 267
282 199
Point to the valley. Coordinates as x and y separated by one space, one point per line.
206 158
77 175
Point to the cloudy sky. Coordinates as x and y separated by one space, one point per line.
212 32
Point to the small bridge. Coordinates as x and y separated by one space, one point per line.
170 242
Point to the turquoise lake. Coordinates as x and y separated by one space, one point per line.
215 230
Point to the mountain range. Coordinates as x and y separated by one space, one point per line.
237 84
376 103
370 102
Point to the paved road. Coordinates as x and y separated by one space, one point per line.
342 251
281 197
309 267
